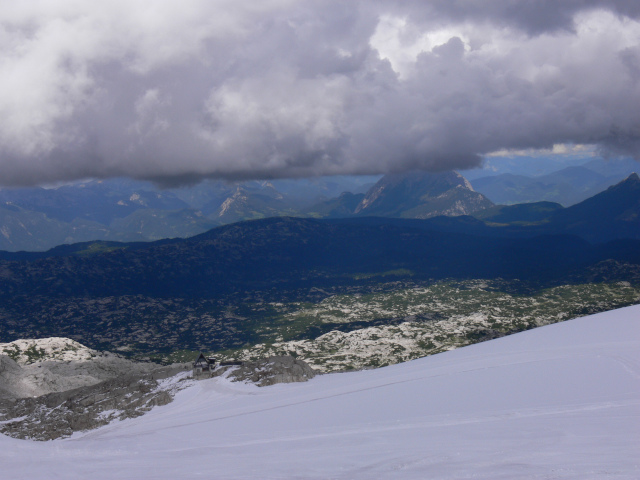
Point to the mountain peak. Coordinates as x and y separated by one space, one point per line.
632 182
614 211
401 194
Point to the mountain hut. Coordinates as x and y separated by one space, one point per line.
203 366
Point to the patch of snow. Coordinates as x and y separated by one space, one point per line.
108 414
12 420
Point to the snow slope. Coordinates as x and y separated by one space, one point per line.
561 401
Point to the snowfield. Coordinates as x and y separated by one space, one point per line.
558 402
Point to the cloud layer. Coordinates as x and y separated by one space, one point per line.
178 91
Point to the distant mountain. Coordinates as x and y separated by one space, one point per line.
406 195
567 186
155 224
508 188
528 166
421 195
339 207
614 213
306 192
298 253
522 213
618 168
22 229
248 202
129 210
97 201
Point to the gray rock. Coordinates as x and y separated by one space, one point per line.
283 369
50 376
10 377
130 393
59 414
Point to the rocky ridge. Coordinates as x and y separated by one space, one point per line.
422 195
272 370
52 387
60 414
58 386
35 367
28 351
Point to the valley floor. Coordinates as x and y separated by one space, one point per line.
557 402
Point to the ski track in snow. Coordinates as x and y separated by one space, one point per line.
558 402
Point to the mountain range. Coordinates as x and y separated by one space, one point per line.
126 210
534 242
221 289
37 219
611 214
567 186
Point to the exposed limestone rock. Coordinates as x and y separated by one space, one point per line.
28 351
10 377
30 368
284 369
60 414
63 387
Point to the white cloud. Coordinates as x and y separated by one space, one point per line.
160 89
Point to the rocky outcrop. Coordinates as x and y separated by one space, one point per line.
57 386
28 351
422 195
10 377
283 369
35 367
60 414
52 387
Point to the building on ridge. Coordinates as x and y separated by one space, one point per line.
203 366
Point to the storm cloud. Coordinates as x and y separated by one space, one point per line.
179 91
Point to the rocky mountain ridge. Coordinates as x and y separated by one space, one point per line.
611 214
35 367
36 219
60 386
61 413
414 194
567 186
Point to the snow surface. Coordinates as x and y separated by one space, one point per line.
557 402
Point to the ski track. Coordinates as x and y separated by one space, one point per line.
558 402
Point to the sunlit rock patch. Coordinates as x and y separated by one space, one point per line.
426 320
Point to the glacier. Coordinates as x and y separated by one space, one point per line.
558 402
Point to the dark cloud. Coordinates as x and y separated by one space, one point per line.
531 16
280 88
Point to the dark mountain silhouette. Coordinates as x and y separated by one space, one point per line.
521 213
614 213
338 207
296 253
609 215
567 186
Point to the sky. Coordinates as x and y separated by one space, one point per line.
180 91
